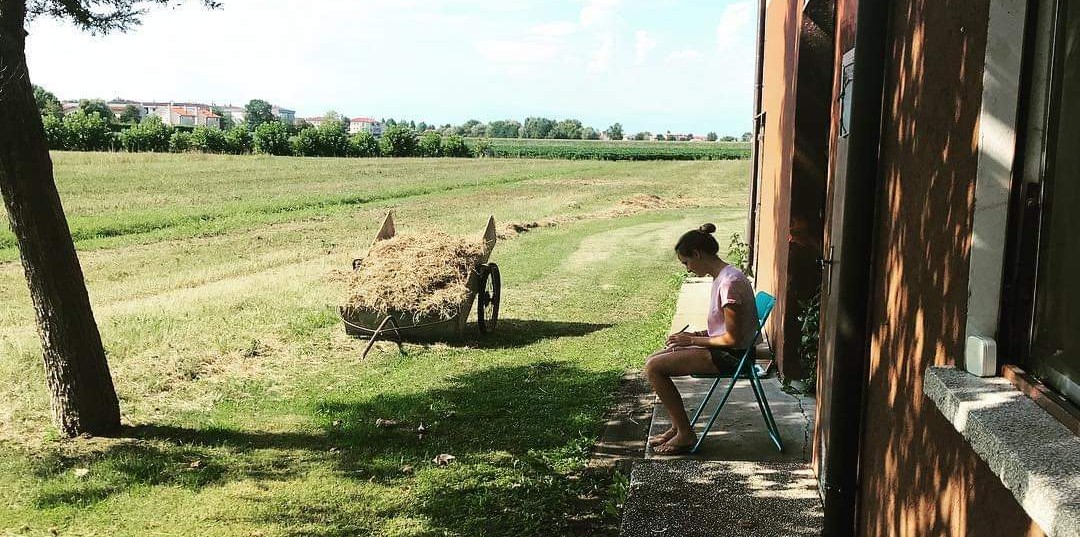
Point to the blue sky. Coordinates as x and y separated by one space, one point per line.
679 65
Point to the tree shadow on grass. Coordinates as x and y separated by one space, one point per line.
518 433
514 333
510 334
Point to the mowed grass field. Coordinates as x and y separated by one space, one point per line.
247 409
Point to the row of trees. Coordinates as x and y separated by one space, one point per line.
258 112
81 131
541 128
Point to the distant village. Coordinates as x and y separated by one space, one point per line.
188 114
205 115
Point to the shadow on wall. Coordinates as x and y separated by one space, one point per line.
920 477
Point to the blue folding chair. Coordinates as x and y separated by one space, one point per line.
765 303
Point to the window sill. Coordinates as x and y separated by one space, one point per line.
1033 454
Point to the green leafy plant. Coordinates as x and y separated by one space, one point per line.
180 142
86 132
454 146
398 141
306 143
208 139
430 144
617 492
150 135
272 138
238 140
809 320
482 148
739 254
55 133
363 144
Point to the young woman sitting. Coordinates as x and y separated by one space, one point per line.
732 324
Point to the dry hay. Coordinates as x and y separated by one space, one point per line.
423 276
641 202
627 207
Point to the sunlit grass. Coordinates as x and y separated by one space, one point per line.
249 412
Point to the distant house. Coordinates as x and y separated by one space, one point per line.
117 107
188 115
237 113
313 121
359 124
284 115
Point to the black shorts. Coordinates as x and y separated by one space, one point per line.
725 359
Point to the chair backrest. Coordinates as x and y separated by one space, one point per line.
765 303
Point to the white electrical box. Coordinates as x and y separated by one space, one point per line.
980 356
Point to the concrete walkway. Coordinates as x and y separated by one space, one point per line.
738 483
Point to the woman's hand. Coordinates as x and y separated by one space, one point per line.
681 339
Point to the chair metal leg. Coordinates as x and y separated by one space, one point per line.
727 393
766 412
701 406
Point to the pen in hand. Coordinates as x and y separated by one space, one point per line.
672 347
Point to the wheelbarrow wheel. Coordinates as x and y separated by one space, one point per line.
487 300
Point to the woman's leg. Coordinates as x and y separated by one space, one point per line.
660 368
670 433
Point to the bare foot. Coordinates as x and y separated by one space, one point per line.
663 437
679 445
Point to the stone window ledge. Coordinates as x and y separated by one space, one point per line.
1035 456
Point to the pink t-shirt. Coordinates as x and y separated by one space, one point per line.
732 289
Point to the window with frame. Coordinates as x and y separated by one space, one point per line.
1041 308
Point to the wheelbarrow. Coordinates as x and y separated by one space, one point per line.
485 287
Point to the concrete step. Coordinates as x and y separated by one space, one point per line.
694 498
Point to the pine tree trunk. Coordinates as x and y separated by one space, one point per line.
83 397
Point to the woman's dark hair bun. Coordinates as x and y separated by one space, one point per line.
698 240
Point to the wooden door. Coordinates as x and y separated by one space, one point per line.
832 258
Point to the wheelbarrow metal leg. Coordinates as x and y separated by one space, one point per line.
397 335
375 336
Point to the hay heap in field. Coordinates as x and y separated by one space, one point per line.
423 275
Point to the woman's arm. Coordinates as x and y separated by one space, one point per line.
731 320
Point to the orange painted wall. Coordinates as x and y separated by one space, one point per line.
778 143
797 76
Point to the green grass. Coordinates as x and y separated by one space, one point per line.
249 412
615 150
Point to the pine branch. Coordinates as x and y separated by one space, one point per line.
101 16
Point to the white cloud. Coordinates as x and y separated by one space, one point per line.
684 55
516 51
735 36
553 30
643 45
735 25
598 11
600 59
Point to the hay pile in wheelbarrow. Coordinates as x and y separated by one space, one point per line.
422 286
425 275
